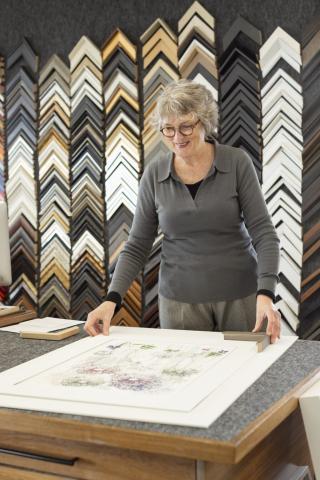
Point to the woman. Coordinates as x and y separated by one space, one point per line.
220 252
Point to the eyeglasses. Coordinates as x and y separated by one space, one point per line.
185 130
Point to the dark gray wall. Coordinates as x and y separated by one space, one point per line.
55 26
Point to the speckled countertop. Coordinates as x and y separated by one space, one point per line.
301 359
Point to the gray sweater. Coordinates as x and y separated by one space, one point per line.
221 245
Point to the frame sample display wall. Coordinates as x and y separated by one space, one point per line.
76 136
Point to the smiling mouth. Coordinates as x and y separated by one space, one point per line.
181 145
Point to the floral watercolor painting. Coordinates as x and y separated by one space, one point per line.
139 367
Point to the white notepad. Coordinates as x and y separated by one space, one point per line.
44 325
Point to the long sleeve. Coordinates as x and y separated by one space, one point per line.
141 237
259 224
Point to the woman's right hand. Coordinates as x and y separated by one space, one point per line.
104 313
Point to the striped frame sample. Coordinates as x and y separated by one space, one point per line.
88 259
160 67
3 290
123 165
2 146
21 186
240 111
281 97
197 56
54 179
310 299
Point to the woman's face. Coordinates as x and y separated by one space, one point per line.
184 145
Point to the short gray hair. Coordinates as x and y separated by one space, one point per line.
184 97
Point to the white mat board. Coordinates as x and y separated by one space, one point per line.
196 400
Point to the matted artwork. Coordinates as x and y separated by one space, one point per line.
163 376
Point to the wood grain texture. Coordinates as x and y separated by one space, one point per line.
17 318
60 335
259 429
12 473
93 461
286 444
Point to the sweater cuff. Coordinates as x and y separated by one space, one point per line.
268 283
116 298
267 293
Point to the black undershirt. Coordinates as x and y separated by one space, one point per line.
193 188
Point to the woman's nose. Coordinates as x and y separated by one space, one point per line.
177 135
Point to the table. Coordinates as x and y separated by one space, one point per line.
255 438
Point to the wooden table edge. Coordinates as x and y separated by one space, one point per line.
230 452
258 429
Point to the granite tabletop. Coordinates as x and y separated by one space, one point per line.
300 360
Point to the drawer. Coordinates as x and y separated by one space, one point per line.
78 460
11 473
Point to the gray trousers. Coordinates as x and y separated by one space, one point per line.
237 315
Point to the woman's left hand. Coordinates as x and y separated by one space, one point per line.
267 309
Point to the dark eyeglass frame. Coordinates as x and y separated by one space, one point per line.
174 129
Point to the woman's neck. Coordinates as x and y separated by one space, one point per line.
204 155
196 168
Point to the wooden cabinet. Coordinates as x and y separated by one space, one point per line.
72 459
38 446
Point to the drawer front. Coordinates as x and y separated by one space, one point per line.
88 462
12 473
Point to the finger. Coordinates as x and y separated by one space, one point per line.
259 322
274 337
98 327
274 327
276 324
90 326
92 331
269 330
106 325
279 323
